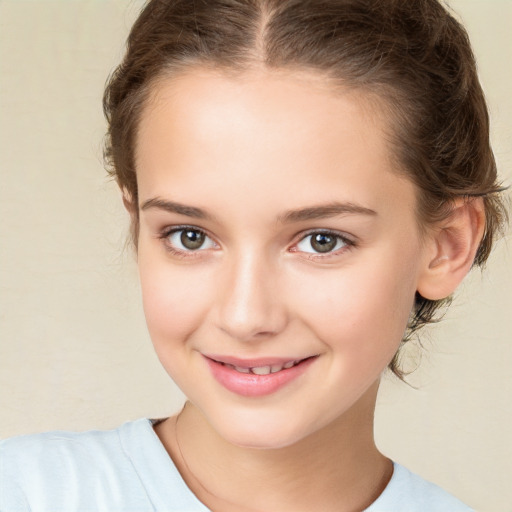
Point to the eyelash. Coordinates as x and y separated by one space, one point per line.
340 237
348 242
166 233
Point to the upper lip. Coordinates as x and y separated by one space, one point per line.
254 362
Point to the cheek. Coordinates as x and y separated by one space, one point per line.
362 310
175 300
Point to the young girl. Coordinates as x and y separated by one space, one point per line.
308 181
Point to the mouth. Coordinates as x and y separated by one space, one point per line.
257 377
263 369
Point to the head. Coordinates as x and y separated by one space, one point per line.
412 61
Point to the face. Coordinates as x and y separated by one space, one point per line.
279 251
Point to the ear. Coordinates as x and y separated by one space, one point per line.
132 208
128 202
451 248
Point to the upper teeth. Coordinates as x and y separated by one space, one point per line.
264 370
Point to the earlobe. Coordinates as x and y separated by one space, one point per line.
452 245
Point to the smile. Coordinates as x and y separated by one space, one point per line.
256 377
264 370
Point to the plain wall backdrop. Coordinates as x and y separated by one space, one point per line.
74 352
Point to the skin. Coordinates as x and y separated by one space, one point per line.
247 150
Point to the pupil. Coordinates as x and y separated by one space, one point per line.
323 243
192 239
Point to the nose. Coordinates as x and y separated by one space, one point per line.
250 305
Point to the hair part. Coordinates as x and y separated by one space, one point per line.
414 56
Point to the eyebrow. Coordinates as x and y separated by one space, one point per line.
173 207
323 211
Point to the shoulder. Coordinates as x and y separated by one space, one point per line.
67 468
60 451
408 492
57 444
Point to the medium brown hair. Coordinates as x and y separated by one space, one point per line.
412 54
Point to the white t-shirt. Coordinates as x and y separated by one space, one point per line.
128 469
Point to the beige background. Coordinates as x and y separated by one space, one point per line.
74 352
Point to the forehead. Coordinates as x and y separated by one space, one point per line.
281 136
206 103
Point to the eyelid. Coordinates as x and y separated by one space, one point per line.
166 232
346 239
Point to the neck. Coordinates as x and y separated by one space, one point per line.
336 468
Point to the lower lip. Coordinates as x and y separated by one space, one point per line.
249 384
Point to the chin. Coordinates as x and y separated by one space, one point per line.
262 434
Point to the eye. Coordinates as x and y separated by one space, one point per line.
188 239
322 242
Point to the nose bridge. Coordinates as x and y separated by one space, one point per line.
249 302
